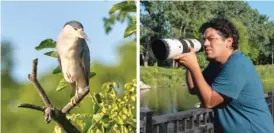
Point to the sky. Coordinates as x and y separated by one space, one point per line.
264 7
26 24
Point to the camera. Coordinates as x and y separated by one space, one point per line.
163 49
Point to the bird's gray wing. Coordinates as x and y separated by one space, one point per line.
85 59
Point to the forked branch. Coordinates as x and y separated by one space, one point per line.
49 111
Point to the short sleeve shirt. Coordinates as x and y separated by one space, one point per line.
238 81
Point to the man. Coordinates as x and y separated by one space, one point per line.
229 84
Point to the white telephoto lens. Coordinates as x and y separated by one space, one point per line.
163 49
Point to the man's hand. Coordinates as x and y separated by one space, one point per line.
189 60
209 97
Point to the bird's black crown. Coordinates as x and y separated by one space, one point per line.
74 24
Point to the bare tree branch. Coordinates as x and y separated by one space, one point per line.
40 90
31 106
50 113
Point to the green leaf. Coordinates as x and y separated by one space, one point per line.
106 121
102 128
88 123
129 8
125 5
57 129
47 43
98 98
57 70
130 30
133 98
92 74
125 111
51 54
114 106
62 84
120 120
98 131
98 117
96 108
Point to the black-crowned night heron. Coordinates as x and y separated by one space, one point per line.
74 58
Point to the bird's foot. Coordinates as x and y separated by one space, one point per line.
74 103
48 114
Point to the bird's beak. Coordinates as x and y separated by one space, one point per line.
82 34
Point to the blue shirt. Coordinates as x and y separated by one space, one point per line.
244 109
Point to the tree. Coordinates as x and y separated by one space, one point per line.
6 62
153 26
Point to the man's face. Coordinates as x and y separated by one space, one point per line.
214 45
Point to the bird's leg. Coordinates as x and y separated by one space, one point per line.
73 93
74 86
70 105
76 96
77 92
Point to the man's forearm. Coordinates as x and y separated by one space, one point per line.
190 83
209 97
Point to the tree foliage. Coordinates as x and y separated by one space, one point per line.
182 19
111 112
122 11
6 61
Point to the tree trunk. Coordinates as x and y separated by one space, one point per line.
156 63
145 60
272 55
146 63
173 63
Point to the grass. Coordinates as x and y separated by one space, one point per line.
266 74
162 77
169 94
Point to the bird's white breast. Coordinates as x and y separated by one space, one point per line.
69 53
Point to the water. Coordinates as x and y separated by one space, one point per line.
174 99
167 100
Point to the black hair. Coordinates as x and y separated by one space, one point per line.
225 27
